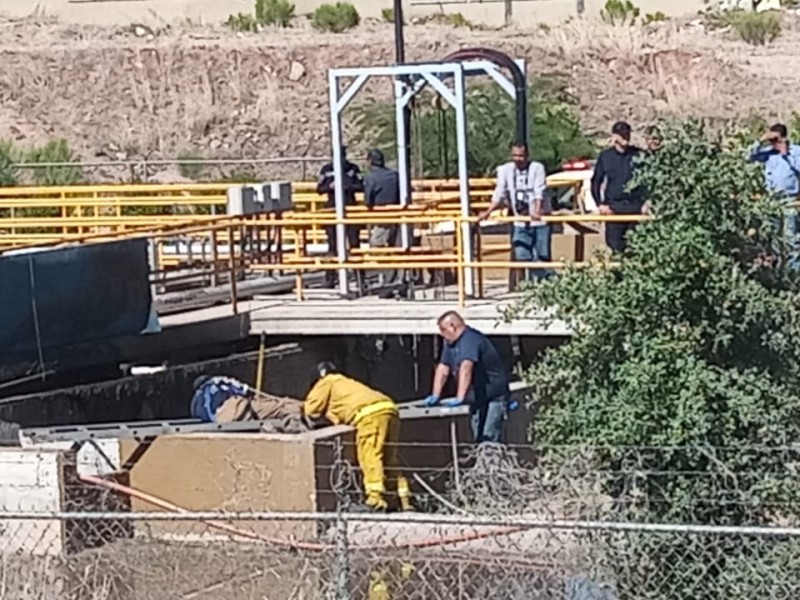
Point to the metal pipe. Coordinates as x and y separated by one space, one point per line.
405 134
520 86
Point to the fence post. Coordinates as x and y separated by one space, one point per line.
342 559
581 6
509 11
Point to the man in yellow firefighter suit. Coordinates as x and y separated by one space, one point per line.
345 401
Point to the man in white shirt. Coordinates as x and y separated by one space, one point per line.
521 185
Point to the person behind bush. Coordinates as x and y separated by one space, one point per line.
781 160
614 168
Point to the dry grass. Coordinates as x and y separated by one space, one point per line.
216 94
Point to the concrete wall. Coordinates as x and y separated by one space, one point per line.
525 12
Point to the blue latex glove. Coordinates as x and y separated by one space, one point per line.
513 405
431 400
452 402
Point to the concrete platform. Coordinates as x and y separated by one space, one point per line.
323 313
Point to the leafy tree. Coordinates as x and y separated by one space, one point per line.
554 127
683 375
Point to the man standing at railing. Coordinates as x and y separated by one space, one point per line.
382 189
781 161
481 377
353 182
614 168
522 185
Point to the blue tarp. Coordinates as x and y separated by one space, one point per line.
61 297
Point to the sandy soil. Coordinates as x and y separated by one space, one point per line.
118 93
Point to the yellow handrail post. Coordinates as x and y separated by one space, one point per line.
298 274
460 263
261 356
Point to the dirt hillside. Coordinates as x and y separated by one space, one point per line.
126 93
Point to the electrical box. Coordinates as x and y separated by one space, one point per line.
270 197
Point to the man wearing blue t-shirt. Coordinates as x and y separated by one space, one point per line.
481 377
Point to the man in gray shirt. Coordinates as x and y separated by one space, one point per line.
382 189
522 186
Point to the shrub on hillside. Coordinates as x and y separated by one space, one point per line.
242 22
8 174
189 167
277 13
757 28
335 18
620 12
54 151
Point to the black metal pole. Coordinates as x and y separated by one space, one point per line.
400 58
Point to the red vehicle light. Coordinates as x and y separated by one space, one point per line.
577 165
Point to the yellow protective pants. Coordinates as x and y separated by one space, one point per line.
377 438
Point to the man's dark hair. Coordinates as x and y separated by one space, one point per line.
326 368
780 129
520 144
621 128
376 158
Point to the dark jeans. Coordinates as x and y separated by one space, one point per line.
617 234
488 420
353 233
789 228
385 236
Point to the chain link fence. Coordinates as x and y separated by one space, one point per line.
497 526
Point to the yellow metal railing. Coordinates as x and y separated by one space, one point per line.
40 215
235 246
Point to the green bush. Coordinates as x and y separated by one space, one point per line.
274 12
554 128
8 174
242 22
54 151
335 18
387 14
683 377
456 20
188 168
757 28
620 12
656 17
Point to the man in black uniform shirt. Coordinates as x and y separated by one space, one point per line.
614 167
353 182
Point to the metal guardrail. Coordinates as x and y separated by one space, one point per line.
37 215
242 247
43 215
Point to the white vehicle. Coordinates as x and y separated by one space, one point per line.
573 187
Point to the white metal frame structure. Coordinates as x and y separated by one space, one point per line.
409 80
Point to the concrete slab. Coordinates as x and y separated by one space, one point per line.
325 313
375 317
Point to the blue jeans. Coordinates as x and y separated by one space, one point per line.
488 420
532 244
790 230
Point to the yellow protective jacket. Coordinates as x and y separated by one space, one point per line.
345 401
